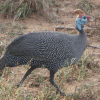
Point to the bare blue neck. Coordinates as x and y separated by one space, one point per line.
82 32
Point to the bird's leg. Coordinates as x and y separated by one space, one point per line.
53 83
26 74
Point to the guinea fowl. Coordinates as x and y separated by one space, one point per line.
54 50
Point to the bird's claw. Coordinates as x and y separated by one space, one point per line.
62 93
17 85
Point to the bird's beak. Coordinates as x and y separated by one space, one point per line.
89 18
80 12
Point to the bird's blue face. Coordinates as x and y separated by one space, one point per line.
80 22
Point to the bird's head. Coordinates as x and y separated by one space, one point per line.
81 19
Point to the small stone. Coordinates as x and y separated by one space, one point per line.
57 4
99 79
62 22
67 4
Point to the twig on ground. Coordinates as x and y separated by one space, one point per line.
94 46
72 28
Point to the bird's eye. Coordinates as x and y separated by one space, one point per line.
84 17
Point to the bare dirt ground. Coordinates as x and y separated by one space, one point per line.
36 83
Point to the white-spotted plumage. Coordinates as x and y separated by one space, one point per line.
54 50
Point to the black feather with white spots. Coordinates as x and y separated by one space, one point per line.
54 50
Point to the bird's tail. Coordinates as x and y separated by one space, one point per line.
2 63
8 60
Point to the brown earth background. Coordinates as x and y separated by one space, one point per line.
82 79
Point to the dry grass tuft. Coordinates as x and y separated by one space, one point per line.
24 8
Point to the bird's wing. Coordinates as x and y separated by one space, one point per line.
21 45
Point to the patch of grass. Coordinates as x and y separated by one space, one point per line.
2 28
2 48
73 74
40 80
11 30
48 94
87 6
24 8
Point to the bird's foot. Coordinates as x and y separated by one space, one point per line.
70 94
17 85
62 93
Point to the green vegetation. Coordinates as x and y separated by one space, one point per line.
72 79
24 8
87 6
75 73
